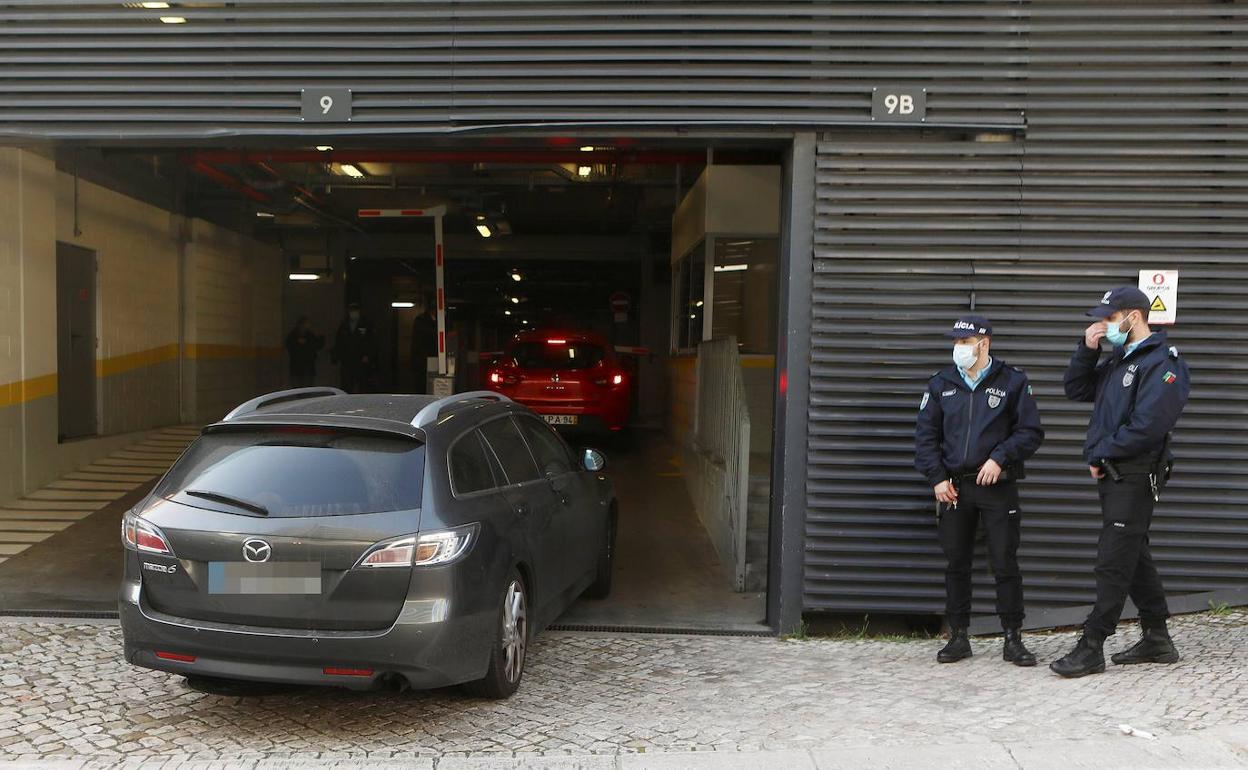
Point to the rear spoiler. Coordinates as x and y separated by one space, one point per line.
280 397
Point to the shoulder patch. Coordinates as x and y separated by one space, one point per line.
1029 391
1174 352
1169 377
927 396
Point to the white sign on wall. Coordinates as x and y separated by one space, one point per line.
1162 288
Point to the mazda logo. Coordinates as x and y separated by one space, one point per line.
256 550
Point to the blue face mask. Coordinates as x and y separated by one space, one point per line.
965 356
1115 334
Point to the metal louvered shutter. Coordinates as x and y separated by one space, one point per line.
97 70
1134 158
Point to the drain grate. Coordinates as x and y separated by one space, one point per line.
658 630
66 614
573 627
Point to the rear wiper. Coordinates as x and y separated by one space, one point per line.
237 502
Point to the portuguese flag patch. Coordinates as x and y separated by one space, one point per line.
1168 377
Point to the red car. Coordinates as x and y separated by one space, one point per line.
572 379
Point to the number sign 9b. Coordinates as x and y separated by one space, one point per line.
326 104
899 105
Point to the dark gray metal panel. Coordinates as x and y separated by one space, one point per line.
1117 172
107 70
786 538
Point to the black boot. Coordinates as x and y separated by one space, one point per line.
959 647
1154 647
1014 651
1087 658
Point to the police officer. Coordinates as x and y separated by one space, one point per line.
1139 390
355 351
977 423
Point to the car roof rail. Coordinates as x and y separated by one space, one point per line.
430 412
280 397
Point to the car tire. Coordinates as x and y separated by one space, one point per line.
510 648
601 587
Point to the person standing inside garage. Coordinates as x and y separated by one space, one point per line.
424 345
977 424
302 345
1138 393
355 351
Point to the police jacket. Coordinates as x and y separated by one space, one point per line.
1138 398
959 429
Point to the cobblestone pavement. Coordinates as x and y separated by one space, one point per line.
66 693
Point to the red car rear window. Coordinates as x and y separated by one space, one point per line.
557 354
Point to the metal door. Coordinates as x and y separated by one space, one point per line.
75 340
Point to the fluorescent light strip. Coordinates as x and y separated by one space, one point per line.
730 268
303 277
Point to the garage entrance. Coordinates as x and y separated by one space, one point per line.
658 257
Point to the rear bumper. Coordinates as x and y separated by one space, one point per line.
593 416
429 645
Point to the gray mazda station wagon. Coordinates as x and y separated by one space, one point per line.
315 537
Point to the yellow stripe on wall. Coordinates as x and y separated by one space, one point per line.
106 367
12 393
209 352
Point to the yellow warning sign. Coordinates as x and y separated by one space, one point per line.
1158 305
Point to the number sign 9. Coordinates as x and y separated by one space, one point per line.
326 104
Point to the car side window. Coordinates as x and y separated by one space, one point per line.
551 452
470 469
511 451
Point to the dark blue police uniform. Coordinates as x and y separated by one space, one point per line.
959 429
1139 392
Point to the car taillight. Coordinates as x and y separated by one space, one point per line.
338 671
616 379
441 546
444 546
138 535
503 378
394 554
175 656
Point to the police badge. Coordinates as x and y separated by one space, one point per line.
994 401
1127 379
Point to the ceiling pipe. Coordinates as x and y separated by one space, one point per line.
225 180
579 157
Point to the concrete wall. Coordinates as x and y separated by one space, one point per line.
233 318
151 264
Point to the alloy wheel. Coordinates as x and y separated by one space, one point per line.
515 630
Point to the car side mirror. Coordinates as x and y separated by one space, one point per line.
593 460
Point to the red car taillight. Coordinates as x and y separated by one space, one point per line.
614 380
502 378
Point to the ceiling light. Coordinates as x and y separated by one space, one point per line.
303 276
526 323
517 277
484 229
583 171
265 214
173 19
324 147
351 170
402 304
506 312
699 303
731 268
587 148
154 6
515 300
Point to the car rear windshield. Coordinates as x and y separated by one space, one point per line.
557 354
297 472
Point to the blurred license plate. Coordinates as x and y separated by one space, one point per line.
241 577
560 419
